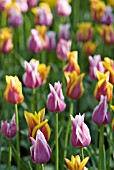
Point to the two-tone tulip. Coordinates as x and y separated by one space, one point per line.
108 34
109 66
55 99
13 93
64 31
89 47
32 3
72 62
76 163
31 77
112 124
9 130
74 89
22 5
43 71
63 8
35 122
40 150
108 16
51 40
80 132
6 44
3 4
103 87
101 114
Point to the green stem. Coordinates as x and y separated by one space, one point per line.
42 167
33 100
17 138
68 127
37 167
82 153
57 148
30 167
10 156
101 142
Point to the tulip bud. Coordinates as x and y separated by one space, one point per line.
3 4
43 71
22 5
80 132
63 8
13 93
40 150
32 3
51 44
100 114
55 101
108 34
64 31
108 16
9 130
89 47
31 77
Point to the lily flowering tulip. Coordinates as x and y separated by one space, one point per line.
63 8
55 100
76 163
101 114
103 86
80 132
64 31
72 62
51 40
75 87
95 64
108 34
85 32
40 150
32 3
89 47
13 93
9 130
6 44
35 122
109 66
43 71
63 48
31 77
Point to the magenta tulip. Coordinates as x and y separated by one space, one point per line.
63 8
32 3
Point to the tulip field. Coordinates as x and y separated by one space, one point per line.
56 85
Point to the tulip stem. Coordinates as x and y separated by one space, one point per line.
10 156
17 138
42 167
33 100
101 141
67 130
82 153
57 149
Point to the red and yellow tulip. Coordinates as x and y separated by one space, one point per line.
89 47
43 71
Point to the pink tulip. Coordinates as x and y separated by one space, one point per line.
95 64
40 150
55 101
63 48
100 114
32 3
22 5
80 132
64 31
31 77
51 43
3 4
34 42
9 130
63 8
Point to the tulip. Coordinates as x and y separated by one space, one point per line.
109 66
76 164
75 87
89 47
95 64
15 17
51 44
31 77
40 150
108 16
100 114
85 32
43 71
13 93
32 3
22 5
112 124
72 63
63 8
55 101
64 31
43 15
108 34
52 3
103 86
35 122
80 132
63 48
111 3
9 130
3 4
6 44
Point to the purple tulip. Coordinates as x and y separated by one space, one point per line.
55 101
95 64
63 8
22 5
80 132
100 114
31 77
32 3
40 150
63 48
34 42
9 130
64 31
108 16
51 44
